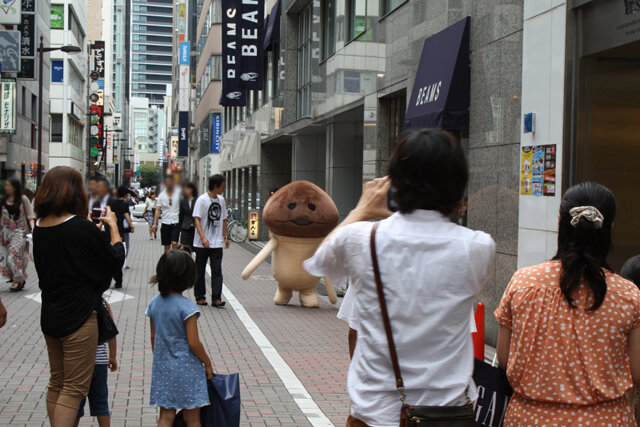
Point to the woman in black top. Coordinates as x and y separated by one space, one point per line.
187 225
75 264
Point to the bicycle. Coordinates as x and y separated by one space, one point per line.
237 230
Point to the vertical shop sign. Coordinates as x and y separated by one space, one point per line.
183 88
254 225
97 50
216 133
8 106
28 36
538 170
183 134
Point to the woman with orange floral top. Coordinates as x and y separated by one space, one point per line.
569 333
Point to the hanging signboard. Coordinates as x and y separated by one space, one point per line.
10 11
232 90
184 53
28 36
183 88
8 106
183 134
216 133
10 50
251 46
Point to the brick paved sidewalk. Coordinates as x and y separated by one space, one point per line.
311 341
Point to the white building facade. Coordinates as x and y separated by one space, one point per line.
68 91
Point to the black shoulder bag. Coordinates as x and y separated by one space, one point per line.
415 416
107 329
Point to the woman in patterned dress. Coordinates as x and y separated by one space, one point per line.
569 333
16 221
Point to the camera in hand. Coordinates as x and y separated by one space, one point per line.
96 214
391 203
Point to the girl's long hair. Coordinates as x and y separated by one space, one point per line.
583 249
17 194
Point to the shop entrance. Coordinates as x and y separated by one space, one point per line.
608 137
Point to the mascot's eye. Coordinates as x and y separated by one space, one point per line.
292 206
312 207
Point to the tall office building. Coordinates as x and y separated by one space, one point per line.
151 49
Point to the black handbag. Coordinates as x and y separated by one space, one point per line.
415 416
107 329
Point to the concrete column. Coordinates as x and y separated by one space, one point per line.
254 188
245 195
308 158
275 172
344 164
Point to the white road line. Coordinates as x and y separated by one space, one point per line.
111 296
294 386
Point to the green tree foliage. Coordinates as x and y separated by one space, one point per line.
150 175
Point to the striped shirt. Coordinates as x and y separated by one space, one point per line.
102 355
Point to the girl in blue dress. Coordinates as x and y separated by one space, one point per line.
181 365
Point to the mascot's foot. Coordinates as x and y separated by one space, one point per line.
309 300
282 297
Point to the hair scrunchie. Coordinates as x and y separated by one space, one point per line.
589 213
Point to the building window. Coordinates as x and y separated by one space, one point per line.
56 128
75 28
351 81
276 65
389 5
304 63
357 19
328 28
34 107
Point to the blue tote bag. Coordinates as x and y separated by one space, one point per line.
224 410
224 394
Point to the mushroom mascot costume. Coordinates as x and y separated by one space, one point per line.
299 216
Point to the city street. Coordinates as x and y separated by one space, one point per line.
292 361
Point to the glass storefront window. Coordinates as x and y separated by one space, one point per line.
390 5
56 128
304 63
357 19
328 28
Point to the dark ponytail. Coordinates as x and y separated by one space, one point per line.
583 248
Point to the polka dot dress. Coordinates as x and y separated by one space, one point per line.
568 366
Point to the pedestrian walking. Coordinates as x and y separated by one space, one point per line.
149 213
631 271
168 214
429 271
569 333
187 224
93 189
181 365
103 196
120 207
99 390
16 221
210 217
75 265
3 314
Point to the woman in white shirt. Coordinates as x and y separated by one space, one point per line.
149 212
432 271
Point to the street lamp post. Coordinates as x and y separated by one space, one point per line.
41 51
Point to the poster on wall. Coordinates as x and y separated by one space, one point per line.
538 170
57 17
10 11
10 51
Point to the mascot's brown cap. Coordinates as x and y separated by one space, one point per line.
301 209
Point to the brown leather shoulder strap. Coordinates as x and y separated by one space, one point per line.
385 313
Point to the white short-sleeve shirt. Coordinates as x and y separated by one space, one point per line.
212 212
169 206
432 271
